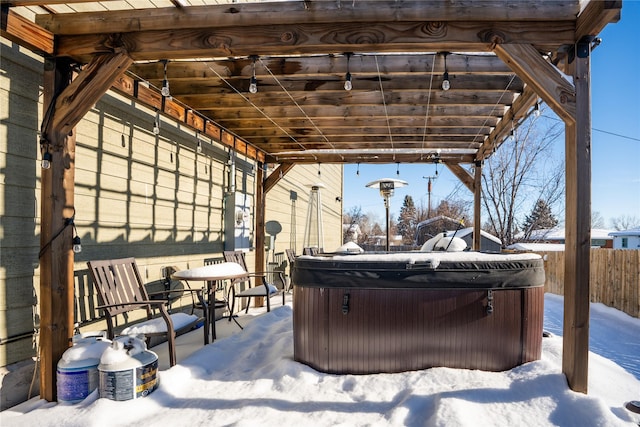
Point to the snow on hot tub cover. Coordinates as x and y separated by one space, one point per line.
434 270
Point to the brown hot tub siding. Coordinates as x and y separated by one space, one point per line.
395 330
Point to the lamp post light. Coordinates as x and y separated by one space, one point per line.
386 187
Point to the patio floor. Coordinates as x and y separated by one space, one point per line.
193 341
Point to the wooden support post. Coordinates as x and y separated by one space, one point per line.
575 356
477 195
260 230
56 258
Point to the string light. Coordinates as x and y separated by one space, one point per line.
199 143
536 109
358 170
347 79
165 83
46 159
156 124
253 83
319 173
446 84
398 168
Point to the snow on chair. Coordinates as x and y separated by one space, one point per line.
120 291
264 289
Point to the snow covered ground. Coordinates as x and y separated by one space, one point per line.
249 378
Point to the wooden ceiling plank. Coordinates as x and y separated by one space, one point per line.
336 65
87 88
20 30
344 98
293 12
545 79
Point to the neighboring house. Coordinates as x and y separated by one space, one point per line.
537 247
488 242
600 238
626 239
432 226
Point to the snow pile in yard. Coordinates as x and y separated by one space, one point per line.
251 379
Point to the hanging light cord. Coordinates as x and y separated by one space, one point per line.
513 76
384 104
299 107
254 106
67 222
426 113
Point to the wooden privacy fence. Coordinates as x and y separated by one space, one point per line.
615 277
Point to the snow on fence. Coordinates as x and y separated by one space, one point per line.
615 277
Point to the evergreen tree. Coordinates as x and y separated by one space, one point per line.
406 226
540 218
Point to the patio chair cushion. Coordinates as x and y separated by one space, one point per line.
257 291
158 325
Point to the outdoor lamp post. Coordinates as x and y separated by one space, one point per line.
386 187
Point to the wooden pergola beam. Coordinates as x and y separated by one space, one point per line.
20 30
56 256
71 99
545 79
518 110
277 175
240 15
575 355
463 175
87 88
477 206
311 39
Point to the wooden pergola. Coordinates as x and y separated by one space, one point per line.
500 57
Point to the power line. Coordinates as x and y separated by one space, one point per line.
598 130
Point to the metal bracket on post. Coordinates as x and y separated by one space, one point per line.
583 48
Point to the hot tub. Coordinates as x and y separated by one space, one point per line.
395 312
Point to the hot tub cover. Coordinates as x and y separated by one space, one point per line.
409 270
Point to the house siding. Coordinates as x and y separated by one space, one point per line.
153 197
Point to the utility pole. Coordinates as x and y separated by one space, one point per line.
429 179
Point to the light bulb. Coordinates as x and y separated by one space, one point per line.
156 129
446 85
165 89
347 83
77 245
536 110
253 86
46 160
199 147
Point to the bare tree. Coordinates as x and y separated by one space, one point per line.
597 221
625 222
520 172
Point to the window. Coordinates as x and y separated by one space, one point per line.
625 242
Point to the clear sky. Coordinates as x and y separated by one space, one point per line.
615 92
